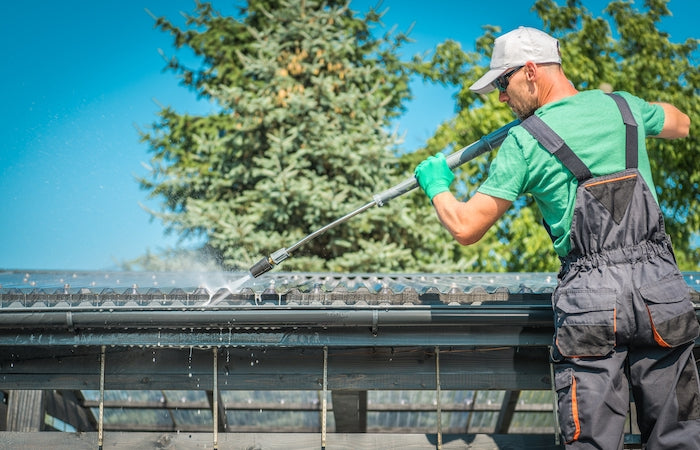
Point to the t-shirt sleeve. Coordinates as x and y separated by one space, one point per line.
507 173
654 118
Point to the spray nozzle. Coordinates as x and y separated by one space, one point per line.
267 263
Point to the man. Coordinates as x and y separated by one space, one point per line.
623 314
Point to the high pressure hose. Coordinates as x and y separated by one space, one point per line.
456 159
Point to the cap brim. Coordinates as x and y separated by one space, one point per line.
484 85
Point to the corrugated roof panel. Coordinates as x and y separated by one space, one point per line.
156 283
123 290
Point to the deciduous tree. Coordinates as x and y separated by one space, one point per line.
623 50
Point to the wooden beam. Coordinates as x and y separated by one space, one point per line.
314 407
350 369
350 411
291 441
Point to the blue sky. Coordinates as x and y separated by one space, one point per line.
78 76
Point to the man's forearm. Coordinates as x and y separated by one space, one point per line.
676 123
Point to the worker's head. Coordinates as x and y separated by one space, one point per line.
511 52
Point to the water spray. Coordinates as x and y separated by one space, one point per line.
456 159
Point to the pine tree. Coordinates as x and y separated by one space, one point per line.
305 95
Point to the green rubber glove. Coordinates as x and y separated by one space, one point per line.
434 175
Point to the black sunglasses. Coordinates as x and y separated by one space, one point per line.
501 83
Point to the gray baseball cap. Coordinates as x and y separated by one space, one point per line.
514 49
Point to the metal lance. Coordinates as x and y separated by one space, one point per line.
454 160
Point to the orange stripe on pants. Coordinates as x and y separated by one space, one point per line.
574 409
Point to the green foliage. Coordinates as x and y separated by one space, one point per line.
304 95
645 62
640 59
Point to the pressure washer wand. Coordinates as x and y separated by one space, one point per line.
456 159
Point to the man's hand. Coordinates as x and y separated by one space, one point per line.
434 175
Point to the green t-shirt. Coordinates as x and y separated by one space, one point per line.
591 124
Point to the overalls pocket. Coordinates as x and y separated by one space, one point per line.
567 401
671 312
585 322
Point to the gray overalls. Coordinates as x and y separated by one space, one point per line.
623 312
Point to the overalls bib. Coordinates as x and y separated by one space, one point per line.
621 305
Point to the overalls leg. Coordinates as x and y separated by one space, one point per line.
667 397
593 397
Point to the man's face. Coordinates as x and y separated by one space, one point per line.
520 95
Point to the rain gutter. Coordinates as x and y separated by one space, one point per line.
80 318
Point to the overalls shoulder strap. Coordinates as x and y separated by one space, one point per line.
631 150
551 141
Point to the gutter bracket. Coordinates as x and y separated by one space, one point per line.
375 322
69 322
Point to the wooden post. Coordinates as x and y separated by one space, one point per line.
215 398
25 410
555 402
437 392
100 422
324 401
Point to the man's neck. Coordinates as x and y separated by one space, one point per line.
555 87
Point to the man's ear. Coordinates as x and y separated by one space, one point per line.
530 70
